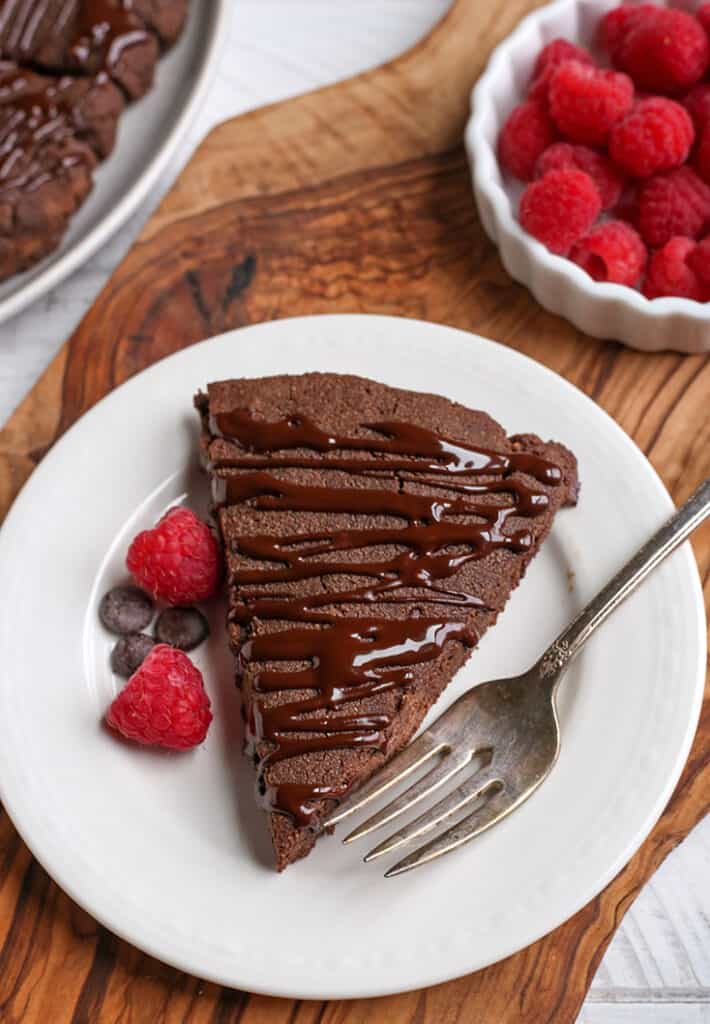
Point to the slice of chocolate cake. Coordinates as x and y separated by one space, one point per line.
51 132
372 535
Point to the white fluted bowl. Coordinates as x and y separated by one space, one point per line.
602 310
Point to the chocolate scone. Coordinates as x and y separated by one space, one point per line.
371 535
87 107
45 170
88 36
53 125
166 17
51 132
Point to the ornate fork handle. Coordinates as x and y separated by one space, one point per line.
559 654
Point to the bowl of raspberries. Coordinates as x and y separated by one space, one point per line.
589 143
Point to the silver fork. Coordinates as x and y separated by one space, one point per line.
506 728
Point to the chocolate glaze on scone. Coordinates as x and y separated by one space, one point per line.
51 132
81 36
88 108
371 535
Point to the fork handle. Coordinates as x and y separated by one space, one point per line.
689 516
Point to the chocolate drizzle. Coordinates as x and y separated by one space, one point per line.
107 28
343 657
100 31
35 131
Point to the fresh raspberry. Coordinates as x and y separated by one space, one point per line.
655 136
527 132
164 703
701 158
703 16
556 52
672 204
538 88
563 155
697 103
560 208
627 208
669 272
699 260
611 251
617 23
585 102
664 51
178 560
550 57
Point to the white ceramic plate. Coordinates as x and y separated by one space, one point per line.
170 851
149 133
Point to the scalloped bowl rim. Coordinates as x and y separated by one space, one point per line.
481 154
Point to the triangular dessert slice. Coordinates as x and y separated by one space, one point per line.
372 535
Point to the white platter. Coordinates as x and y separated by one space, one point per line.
171 852
149 133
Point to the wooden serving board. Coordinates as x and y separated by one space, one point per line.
355 198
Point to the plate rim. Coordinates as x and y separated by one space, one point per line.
78 254
424 979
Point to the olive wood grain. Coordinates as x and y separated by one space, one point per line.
355 198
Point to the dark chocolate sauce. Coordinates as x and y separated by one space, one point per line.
347 658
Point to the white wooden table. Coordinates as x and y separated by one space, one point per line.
657 970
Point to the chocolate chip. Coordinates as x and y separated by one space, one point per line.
125 610
185 628
130 652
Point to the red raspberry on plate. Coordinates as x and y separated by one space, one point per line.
672 204
585 102
655 136
612 251
562 155
670 273
178 560
697 103
164 703
560 208
550 57
664 50
527 132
